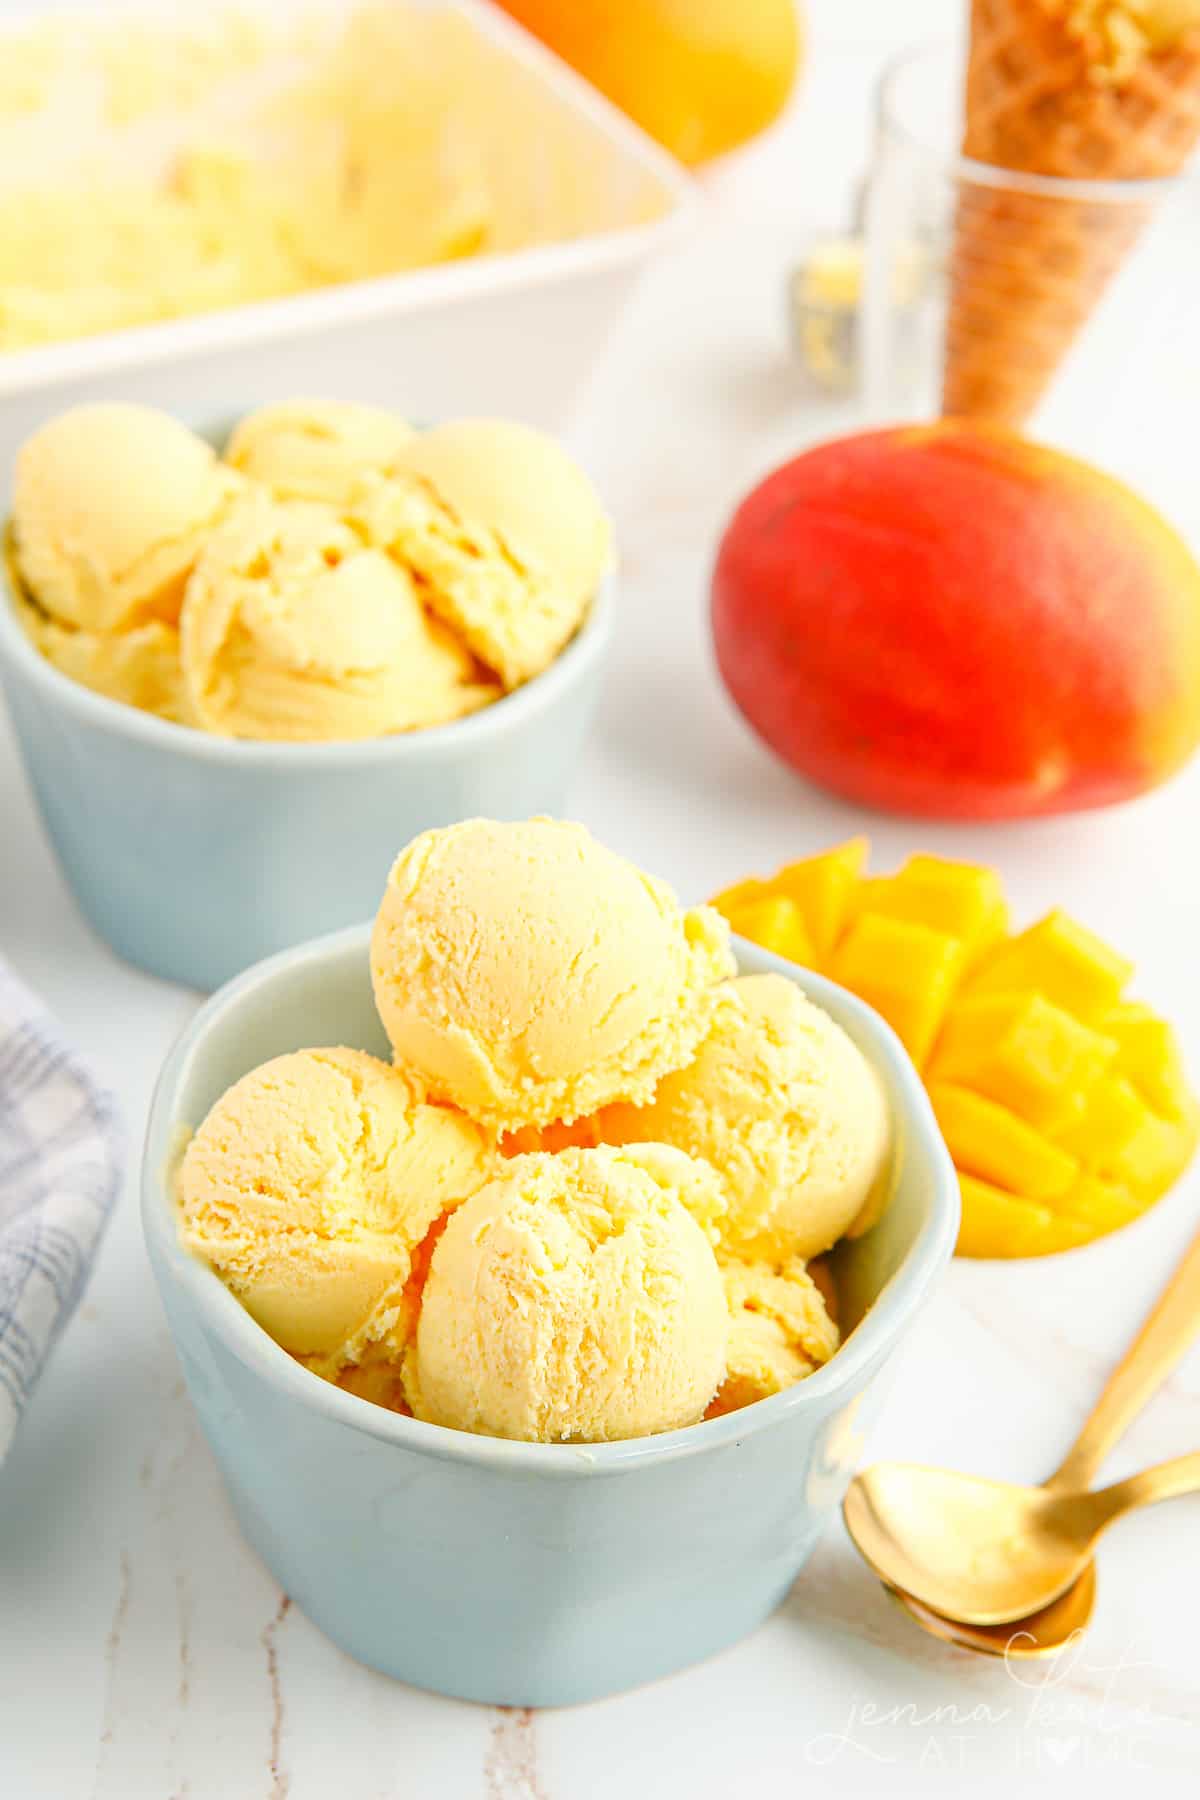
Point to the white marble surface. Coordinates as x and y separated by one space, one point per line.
145 1654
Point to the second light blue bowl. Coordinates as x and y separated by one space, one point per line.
195 856
524 1574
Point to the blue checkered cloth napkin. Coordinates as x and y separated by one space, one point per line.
60 1169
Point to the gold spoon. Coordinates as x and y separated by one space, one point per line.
885 1540
987 1552
1041 1633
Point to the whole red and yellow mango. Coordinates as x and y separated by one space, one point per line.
949 620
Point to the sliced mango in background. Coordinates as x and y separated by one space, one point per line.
863 896
956 898
1065 1233
1148 1053
1061 959
906 972
775 922
988 1141
1101 1206
1121 1138
999 1224
996 1224
1153 1159
730 898
822 887
1026 1053
1066 1109
1112 1114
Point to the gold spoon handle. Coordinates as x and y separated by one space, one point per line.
1166 1334
1165 1481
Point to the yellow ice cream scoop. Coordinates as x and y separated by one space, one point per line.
504 530
309 1187
526 973
138 667
1118 34
574 1298
315 449
111 504
252 153
1158 23
785 1108
292 631
779 1330
1164 21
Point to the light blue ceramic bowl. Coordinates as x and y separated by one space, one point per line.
523 1574
194 855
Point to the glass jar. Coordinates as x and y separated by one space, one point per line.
1066 307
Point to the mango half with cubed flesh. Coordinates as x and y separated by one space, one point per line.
1065 1106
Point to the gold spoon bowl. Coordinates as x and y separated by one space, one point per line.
1002 1568
987 1552
1043 1633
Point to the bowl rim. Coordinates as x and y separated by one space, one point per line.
893 1308
473 732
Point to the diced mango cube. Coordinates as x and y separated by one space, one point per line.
999 1224
1024 1052
776 923
730 898
986 1140
1113 1112
863 895
1067 1111
1148 1054
822 887
906 972
1101 1206
1059 959
1119 1138
1065 1233
1153 1160
960 899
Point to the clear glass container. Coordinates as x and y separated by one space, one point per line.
1069 308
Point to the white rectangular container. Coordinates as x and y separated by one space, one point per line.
514 332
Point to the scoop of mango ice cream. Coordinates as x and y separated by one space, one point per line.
1163 21
573 1298
779 1331
527 974
379 1379
785 1108
111 504
505 532
315 449
1118 34
138 667
292 631
309 1189
240 153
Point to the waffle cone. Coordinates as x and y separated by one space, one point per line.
1026 267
